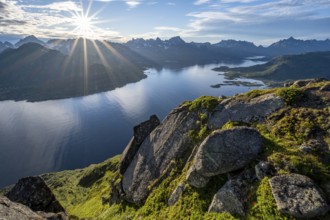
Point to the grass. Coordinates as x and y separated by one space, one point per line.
290 95
80 201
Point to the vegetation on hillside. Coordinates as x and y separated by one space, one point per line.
82 191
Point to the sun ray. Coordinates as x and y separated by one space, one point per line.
69 57
101 55
115 52
85 66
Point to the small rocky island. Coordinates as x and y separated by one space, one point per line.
260 155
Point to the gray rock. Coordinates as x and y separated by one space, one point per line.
168 142
175 196
298 196
195 179
234 194
305 148
326 87
305 82
53 216
116 192
263 169
14 211
34 193
141 131
227 150
256 109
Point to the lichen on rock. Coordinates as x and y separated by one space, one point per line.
298 196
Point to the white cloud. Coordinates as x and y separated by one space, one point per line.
57 6
237 1
201 2
133 4
46 21
166 28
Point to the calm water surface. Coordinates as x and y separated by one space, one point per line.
73 133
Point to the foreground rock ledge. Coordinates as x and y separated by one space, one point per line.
298 196
14 211
34 193
141 132
168 142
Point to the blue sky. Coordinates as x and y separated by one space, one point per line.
262 22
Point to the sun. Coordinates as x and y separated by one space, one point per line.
83 25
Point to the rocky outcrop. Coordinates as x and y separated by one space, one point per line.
53 216
195 179
34 193
253 110
263 169
234 194
170 141
141 132
304 82
175 196
224 151
13 211
298 196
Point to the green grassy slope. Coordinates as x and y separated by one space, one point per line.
284 131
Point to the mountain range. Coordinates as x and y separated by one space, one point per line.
34 70
176 51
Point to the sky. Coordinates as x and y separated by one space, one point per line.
259 21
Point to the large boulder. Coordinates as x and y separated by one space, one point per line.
13 211
227 150
34 193
232 197
141 132
298 196
168 142
240 110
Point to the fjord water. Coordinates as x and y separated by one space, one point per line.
72 133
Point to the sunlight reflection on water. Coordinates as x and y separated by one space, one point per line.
71 133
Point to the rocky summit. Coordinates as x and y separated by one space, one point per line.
260 155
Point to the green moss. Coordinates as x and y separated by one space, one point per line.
255 93
300 124
232 124
263 205
204 102
290 95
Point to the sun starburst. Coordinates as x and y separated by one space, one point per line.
83 25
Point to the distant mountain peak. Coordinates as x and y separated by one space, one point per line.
177 40
234 43
29 39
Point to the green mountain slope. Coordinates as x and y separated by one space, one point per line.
290 67
33 72
296 137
